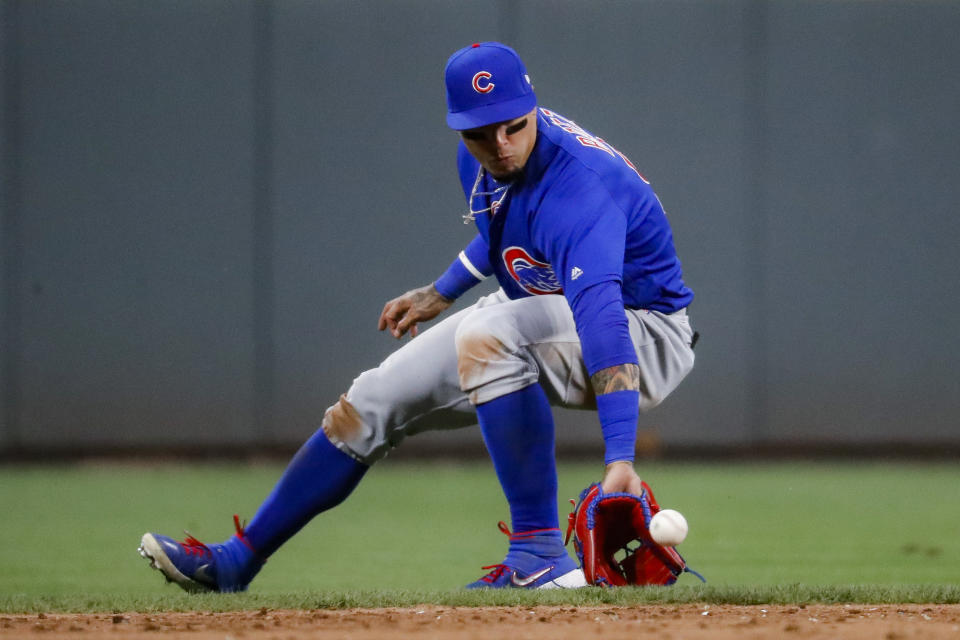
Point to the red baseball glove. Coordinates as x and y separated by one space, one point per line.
613 541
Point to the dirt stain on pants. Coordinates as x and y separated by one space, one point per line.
341 422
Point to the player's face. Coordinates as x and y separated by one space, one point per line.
503 148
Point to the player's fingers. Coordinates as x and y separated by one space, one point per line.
407 323
382 322
621 478
636 487
414 330
386 322
401 327
388 317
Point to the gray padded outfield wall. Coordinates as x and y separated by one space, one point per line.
205 205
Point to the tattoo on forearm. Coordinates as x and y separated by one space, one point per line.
420 296
618 378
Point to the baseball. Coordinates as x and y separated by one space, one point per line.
668 527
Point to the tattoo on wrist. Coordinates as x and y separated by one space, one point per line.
622 377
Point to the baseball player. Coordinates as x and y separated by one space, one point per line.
591 313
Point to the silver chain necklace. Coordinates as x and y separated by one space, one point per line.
472 214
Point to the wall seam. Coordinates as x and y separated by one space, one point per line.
756 139
264 296
11 225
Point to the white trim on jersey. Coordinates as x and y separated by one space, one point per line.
469 265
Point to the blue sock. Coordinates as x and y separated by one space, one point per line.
518 431
319 477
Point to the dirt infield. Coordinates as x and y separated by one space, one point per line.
663 622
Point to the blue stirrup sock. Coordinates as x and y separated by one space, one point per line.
543 543
518 431
319 477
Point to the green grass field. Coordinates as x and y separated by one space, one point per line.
416 532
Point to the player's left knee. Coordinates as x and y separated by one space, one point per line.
342 422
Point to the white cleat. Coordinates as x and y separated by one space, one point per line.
572 580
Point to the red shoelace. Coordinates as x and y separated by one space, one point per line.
194 547
498 569
493 576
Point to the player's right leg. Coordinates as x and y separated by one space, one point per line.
514 356
503 382
415 389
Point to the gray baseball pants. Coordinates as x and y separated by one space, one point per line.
490 349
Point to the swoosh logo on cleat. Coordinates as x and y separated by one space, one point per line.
530 579
201 575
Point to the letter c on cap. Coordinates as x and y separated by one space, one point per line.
487 86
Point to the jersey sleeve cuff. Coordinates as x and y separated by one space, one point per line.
465 260
459 277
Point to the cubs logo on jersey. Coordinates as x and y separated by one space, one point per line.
534 276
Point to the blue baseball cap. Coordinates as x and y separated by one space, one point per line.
486 83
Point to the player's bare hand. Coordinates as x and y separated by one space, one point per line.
404 312
620 477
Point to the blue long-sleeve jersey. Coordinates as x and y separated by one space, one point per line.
582 222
